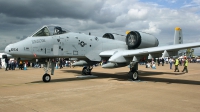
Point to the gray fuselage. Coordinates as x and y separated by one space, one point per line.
76 45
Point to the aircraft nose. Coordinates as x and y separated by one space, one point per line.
7 49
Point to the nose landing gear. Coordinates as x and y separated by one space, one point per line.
46 77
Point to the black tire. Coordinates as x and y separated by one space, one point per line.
133 75
46 78
84 71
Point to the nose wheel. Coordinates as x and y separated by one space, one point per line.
46 78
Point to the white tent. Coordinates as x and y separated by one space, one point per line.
3 60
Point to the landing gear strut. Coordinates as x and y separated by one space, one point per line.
46 77
133 73
87 70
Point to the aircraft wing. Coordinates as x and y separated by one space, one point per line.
119 55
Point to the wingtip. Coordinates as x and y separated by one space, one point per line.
127 32
177 28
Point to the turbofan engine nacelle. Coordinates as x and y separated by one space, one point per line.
135 40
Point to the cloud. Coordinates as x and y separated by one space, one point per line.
17 37
137 14
153 28
23 17
192 6
171 1
56 9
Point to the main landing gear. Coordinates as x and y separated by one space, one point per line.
133 73
46 77
87 70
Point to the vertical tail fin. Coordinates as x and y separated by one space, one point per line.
178 37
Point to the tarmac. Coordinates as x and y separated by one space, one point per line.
108 90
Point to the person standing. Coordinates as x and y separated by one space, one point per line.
163 61
152 62
185 65
9 64
176 65
0 64
180 61
6 62
12 65
170 63
158 61
167 60
61 63
21 65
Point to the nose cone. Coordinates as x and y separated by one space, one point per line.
7 49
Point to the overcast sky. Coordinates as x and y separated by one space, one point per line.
20 18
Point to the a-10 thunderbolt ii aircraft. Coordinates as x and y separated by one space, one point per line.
51 42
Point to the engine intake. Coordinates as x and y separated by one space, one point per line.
135 39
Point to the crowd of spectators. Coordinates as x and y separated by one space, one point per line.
167 60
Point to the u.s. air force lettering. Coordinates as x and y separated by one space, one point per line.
38 41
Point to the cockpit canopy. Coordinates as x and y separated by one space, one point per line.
50 30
